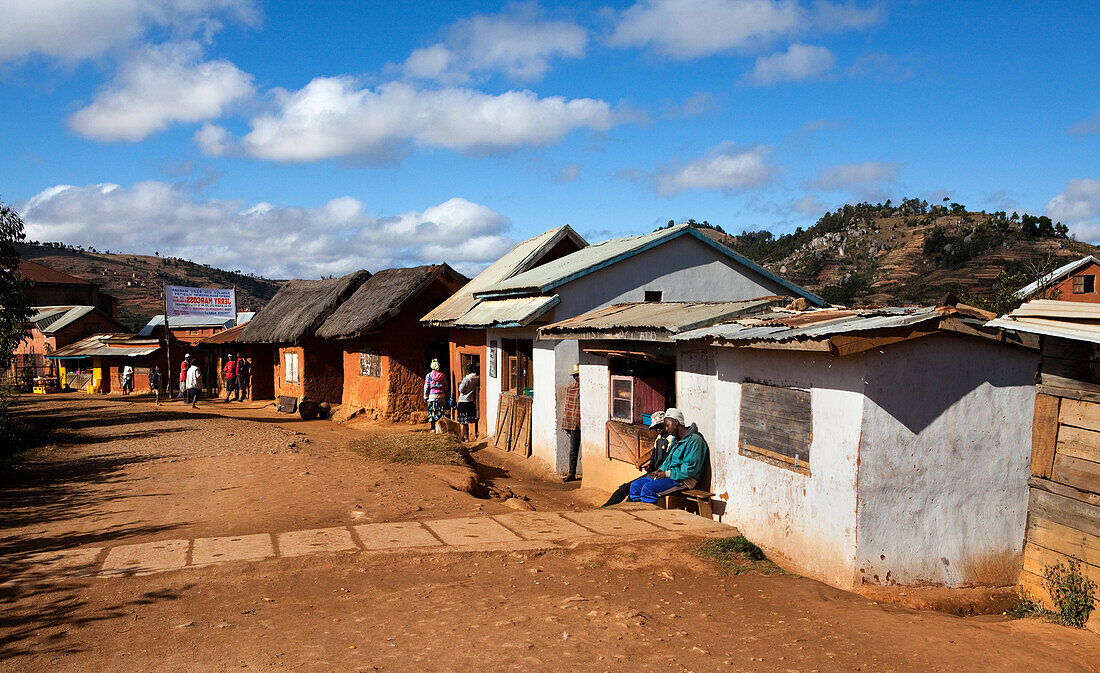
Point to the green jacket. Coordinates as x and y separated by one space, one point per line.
686 460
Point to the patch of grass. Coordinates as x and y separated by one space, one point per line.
736 555
1073 595
412 448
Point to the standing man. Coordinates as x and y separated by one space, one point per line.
243 375
185 364
687 457
571 421
194 384
230 371
127 379
156 382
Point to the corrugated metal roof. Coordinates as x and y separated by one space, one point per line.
1078 321
518 312
519 259
50 319
185 321
544 278
1057 274
816 324
100 345
654 320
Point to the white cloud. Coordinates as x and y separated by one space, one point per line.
214 141
810 205
726 168
275 241
332 117
73 30
799 63
159 86
853 175
686 29
1078 206
518 42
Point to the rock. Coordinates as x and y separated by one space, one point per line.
449 427
459 478
346 412
520 504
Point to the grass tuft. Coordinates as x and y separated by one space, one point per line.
736 555
412 448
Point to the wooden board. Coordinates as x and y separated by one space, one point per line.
1080 414
1066 511
1071 393
1079 443
1064 540
629 443
504 422
521 442
1084 475
777 419
1044 435
1037 558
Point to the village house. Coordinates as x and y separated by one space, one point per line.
190 329
858 446
95 364
49 287
466 337
216 349
526 393
303 365
386 350
54 327
1063 519
1076 281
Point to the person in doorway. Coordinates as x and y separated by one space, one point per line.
571 421
156 383
184 366
656 457
467 403
435 394
687 457
230 371
127 379
243 376
194 384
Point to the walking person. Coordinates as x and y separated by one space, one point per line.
571 421
230 371
467 403
127 379
194 384
184 366
156 382
243 376
435 394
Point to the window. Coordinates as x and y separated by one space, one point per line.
639 387
622 398
290 367
370 363
518 376
776 425
1084 284
493 359
653 295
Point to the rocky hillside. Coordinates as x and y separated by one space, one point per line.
913 252
138 281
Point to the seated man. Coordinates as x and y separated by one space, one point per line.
656 457
687 457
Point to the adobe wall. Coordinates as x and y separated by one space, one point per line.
323 370
1064 291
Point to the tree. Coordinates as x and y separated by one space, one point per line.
14 309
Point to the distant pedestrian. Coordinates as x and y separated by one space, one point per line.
435 394
184 366
230 371
244 374
127 379
571 421
467 403
194 384
156 382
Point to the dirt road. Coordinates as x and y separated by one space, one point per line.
127 472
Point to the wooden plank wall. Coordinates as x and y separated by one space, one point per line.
1064 507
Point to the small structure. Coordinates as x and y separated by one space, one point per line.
49 287
466 335
386 350
1063 519
303 365
95 364
884 446
1076 281
54 327
218 347
191 330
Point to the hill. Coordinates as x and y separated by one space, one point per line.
138 281
882 254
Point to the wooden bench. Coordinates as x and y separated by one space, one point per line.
684 498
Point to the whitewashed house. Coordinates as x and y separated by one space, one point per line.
526 379
885 446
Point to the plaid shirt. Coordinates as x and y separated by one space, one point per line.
571 420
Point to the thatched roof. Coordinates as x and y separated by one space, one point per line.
382 297
299 307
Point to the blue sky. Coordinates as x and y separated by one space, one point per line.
300 138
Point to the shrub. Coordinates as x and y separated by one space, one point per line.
1072 593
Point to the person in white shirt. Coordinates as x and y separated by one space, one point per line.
194 384
467 402
127 379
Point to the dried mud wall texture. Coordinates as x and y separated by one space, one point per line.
323 370
808 522
944 462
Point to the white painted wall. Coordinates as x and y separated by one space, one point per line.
944 462
807 521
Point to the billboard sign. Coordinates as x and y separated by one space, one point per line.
200 301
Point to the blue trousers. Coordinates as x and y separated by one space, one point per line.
644 489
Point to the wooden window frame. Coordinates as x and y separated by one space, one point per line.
297 368
1079 284
749 449
367 368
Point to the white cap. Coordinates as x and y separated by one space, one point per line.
676 415
657 418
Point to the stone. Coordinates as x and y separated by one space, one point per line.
520 504
208 550
471 531
681 520
542 526
612 522
63 562
398 535
316 540
146 558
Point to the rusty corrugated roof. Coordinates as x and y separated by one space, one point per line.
654 320
1079 321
